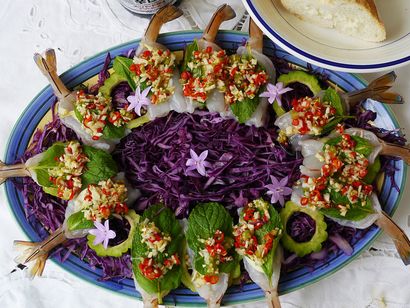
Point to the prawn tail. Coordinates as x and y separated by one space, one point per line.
36 253
160 18
223 13
272 298
376 90
400 239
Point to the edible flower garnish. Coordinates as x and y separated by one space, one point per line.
278 189
138 100
198 162
274 92
102 233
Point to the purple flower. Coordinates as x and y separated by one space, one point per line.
102 234
274 92
239 200
138 100
278 189
198 162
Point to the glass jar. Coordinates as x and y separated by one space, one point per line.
145 7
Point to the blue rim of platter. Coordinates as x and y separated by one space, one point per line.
336 65
40 105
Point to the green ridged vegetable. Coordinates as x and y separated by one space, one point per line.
302 77
120 249
315 243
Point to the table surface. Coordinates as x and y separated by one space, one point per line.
78 29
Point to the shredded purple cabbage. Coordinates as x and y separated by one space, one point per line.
362 121
243 158
102 76
119 95
301 227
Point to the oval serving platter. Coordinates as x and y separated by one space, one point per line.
38 109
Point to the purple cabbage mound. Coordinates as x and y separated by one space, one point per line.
46 213
243 158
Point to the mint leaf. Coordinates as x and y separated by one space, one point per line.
356 211
100 167
363 146
170 281
121 67
165 220
189 50
334 100
77 221
111 131
244 109
204 220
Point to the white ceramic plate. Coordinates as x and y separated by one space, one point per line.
330 49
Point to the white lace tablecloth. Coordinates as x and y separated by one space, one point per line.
78 29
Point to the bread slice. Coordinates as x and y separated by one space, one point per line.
357 18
